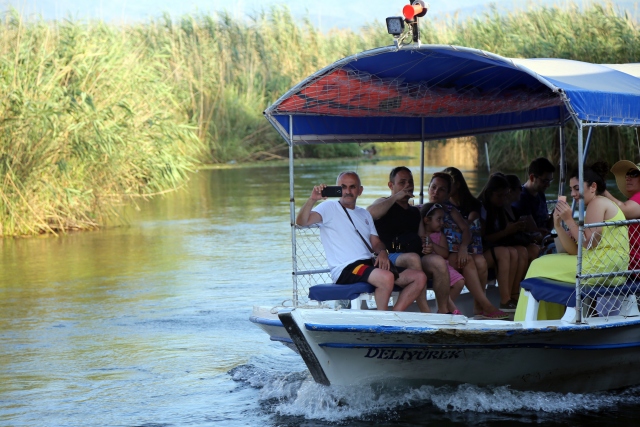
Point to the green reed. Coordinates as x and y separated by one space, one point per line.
87 120
94 114
598 33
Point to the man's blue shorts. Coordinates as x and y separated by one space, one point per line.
394 256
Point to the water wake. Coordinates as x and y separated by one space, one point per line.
295 394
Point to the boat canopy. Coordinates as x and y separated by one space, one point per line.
431 92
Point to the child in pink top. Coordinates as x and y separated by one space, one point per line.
437 242
433 220
456 279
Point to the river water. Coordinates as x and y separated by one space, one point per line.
147 324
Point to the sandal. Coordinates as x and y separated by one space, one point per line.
509 306
457 313
496 315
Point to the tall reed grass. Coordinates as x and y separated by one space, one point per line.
88 118
92 114
597 33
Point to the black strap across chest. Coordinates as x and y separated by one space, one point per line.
356 228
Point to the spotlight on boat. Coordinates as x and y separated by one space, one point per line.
395 25
410 14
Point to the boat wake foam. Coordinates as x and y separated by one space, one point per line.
295 394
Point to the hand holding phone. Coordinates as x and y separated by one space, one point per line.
562 199
332 191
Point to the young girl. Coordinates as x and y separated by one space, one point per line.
433 220
435 242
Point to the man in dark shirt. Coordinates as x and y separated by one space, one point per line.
532 199
394 217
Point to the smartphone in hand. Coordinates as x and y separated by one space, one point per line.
332 191
562 199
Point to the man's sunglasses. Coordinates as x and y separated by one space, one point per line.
633 173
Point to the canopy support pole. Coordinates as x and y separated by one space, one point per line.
486 153
292 213
587 145
580 220
422 165
563 162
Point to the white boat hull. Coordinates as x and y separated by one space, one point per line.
267 319
369 347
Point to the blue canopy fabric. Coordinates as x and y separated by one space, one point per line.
435 91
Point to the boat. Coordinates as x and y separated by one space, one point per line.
417 92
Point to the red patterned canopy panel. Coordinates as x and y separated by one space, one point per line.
358 94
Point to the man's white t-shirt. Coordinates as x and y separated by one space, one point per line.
341 243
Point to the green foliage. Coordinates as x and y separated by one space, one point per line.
324 151
92 114
86 121
226 72
597 33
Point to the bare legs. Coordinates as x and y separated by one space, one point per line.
483 273
512 263
503 265
481 266
413 283
533 251
436 266
382 280
523 265
475 286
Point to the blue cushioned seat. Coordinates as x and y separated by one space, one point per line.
332 292
564 293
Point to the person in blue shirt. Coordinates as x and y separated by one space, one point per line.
532 199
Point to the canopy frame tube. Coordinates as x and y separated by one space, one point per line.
422 145
292 216
580 223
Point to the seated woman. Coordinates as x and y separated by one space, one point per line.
513 215
628 180
508 259
469 207
605 249
458 235
433 219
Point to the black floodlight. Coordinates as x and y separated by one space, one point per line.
395 25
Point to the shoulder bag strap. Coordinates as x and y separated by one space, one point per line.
355 228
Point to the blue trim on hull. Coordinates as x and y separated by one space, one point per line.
486 346
409 330
263 321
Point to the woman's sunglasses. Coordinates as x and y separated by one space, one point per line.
633 173
433 208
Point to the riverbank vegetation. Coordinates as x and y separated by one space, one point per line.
93 114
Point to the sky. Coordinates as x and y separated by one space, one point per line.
325 14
